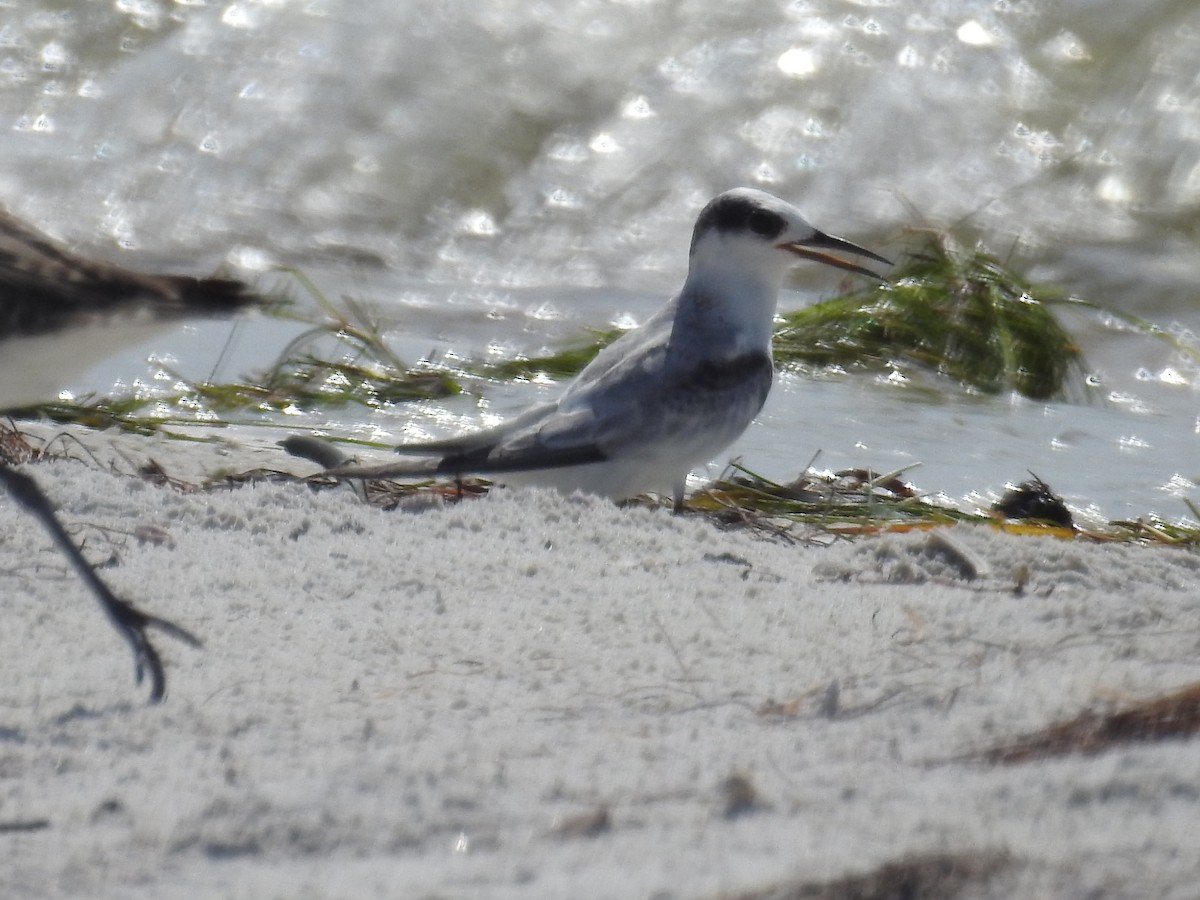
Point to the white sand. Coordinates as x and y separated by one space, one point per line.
433 704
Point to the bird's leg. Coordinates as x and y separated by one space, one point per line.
131 623
677 508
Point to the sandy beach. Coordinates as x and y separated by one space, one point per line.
541 697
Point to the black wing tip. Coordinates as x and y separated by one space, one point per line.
481 461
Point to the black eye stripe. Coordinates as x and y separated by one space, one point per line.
766 223
730 212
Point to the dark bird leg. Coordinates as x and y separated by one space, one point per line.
131 623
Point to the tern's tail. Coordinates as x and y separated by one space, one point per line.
338 465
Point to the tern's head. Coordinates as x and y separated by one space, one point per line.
753 232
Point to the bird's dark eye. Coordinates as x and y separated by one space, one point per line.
766 223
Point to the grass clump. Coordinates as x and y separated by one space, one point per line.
960 313
846 502
345 360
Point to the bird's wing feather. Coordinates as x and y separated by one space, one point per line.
559 416
637 346
48 284
618 413
632 394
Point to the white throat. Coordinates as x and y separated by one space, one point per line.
733 296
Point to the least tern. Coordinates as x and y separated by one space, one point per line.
59 314
667 396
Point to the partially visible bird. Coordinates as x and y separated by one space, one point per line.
667 396
60 313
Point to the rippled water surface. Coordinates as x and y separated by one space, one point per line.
497 176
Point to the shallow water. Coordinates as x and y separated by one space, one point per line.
497 176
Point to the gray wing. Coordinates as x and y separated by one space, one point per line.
576 443
632 393
636 402
705 405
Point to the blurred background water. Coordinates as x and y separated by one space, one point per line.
498 176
